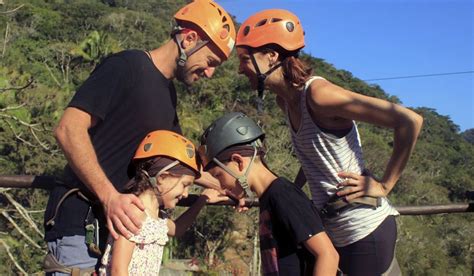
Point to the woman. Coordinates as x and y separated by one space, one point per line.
321 117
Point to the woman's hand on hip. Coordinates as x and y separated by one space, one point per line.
357 185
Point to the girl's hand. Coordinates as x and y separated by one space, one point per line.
214 196
360 185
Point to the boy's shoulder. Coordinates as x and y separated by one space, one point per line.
283 188
283 184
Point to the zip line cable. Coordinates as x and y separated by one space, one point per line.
421 76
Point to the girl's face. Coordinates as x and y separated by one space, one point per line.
247 68
173 188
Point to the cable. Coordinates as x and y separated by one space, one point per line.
421 76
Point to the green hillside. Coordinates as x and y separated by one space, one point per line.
48 48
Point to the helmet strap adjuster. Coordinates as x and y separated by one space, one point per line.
183 57
243 180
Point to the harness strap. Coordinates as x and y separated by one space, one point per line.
261 80
336 206
51 222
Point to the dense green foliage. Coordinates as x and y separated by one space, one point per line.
48 48
469 135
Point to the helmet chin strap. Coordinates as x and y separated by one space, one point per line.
243 179
154 183
261 77
183 57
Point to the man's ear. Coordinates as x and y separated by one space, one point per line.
189 39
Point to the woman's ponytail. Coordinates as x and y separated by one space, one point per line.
295 71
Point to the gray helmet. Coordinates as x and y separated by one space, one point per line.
232 129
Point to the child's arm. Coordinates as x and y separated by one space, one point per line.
325 254
180 225
121 255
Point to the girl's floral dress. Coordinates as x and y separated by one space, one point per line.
148 252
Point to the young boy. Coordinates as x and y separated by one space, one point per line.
292 237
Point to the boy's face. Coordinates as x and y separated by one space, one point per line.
227 181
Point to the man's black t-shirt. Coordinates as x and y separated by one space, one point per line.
287 219
130 97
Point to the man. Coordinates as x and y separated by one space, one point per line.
127 95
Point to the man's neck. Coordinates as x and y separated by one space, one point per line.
164 58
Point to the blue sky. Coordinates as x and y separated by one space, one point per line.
392 38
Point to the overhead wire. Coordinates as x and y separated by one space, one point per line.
421 76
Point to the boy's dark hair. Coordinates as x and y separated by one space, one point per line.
245 150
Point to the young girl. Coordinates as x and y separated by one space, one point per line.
292 237
321 117
165 166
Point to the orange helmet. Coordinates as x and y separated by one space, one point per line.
273 26
169 144
213 20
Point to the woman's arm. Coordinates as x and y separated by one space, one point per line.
121 256
181 224
327 258
334 101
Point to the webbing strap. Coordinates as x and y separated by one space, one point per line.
51 221
334 207
243 178
183 57
261 80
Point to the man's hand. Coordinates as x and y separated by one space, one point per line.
123 213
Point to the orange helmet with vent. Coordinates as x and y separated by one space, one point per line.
273 26
213 20
168 144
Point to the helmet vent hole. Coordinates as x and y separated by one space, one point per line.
246 30
147 147
276 20
224 19
219 10
290 26
227 27
261 23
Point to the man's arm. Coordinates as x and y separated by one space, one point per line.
73 138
